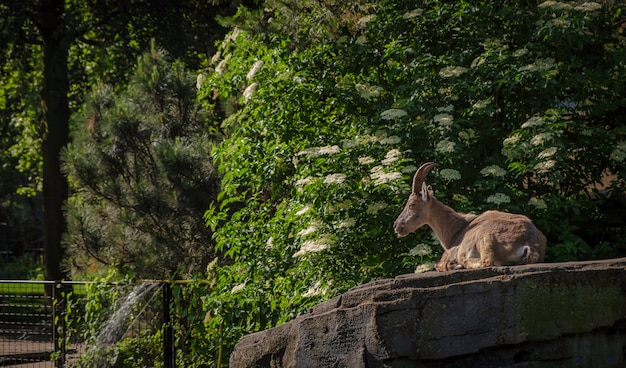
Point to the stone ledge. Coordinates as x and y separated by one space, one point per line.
504 315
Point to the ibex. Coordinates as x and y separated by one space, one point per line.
493 238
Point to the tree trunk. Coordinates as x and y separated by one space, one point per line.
56 42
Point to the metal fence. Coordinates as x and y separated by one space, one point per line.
75 324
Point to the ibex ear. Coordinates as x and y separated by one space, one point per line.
427 192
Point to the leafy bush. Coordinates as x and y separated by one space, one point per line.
521 105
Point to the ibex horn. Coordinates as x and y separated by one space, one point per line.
420 175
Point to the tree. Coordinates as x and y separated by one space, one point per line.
75 40
142 176
520 104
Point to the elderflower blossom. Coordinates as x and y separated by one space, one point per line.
420 250
249 91
304 210
452 71
547 153
304 181
538 203
544 166
588 7
347 223
445 146
315 290
255 68
391 140
498 198
514 139
392 156
309 230
335 179
312 152
380 176
312 246
480 104
533 122
520 52
448 108
366 91
493 170
199 81
450 174
557 5
425 267
237 288
540 139
413 13
443 119
374 208
393 114
344 205
366 160
222 67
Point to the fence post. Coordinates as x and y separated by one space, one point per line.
169 352
58 323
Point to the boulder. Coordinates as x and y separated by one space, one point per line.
542 315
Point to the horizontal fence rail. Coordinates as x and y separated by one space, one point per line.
87 324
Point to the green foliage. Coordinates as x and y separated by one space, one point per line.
521 105
142 175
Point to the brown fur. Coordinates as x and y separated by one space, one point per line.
493 238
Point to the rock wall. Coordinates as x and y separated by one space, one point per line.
544 315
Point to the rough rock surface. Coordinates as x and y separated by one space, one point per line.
543 315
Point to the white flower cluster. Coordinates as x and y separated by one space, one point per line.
533 122
584 7
493 170
237 288
541 138
374 208
347 223
538 203
425 267
315 290
498 198
450 174
420 250
392 114
380 137
319 151
312 246
222 67
255 68
549 152
367 160
443 119
249 91
540 65
544 166
413 13
334 179
392 156
480 104
452 71
366 91
445 146
304 210
380 176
